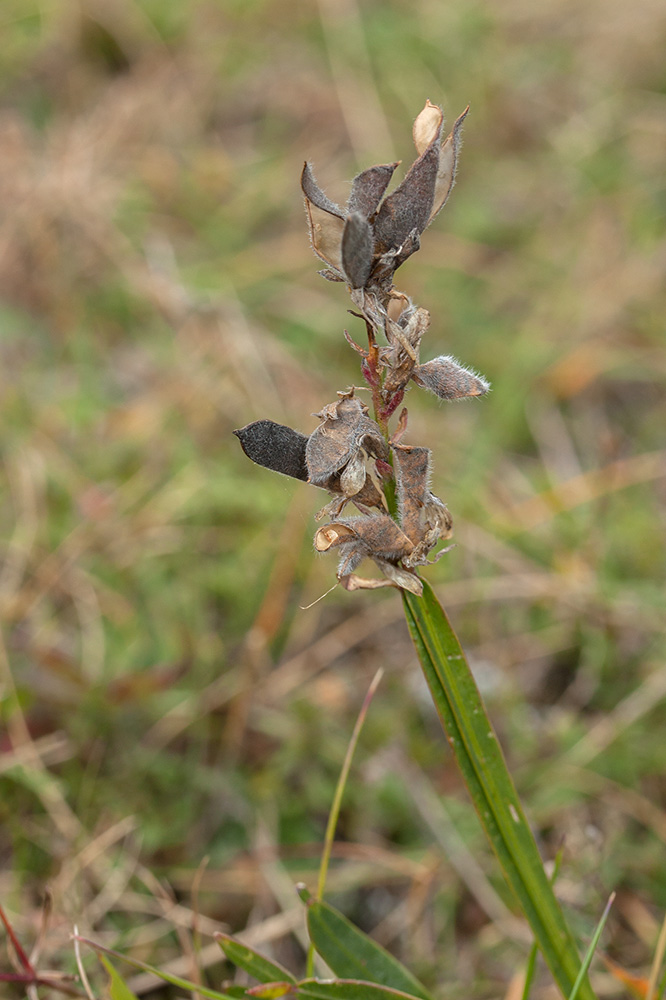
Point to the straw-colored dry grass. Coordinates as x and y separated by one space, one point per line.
164 699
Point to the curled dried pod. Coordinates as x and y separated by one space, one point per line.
335 449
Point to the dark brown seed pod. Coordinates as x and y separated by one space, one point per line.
276 447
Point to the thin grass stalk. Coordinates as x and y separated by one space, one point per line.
334 814
589 954
654 993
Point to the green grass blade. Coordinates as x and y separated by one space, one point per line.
118 988
591 950
348 989
530 967
252 962
351 954
481 762
166 977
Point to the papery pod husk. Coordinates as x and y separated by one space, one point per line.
395 577
397 372
326 221
448 166
425 128
333 535
326 238
351 582
382 537
402 578
369 495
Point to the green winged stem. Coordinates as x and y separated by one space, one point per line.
481 762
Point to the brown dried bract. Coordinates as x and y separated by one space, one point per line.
335 452
423 516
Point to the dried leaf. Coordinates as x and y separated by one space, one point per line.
368 188
426 126
276 447
448 164
357 248
448 379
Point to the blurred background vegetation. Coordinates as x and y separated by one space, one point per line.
164 698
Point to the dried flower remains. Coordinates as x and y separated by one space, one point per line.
352 456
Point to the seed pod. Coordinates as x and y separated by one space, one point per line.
368 188
448 379
448 166
326 221
357 248
408 209
276 447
